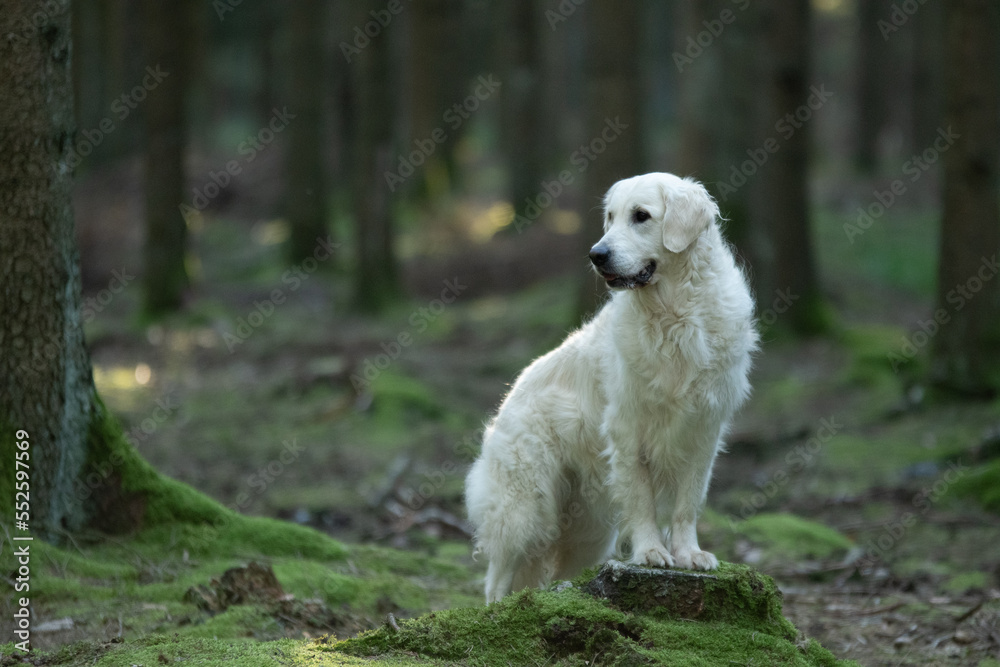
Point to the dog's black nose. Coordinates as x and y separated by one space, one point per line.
599 255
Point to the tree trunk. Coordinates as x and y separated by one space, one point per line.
967 347
872 58
519 54
928 75
375 270
718 110
781 196
437 81
613 129
167 30
46 387
305 198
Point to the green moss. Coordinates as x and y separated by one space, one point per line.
982 484
569 627
793 536
960 583
873 348
307 579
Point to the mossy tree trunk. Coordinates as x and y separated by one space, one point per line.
167 30
613 122
375 273
966 354
46 388
781 195
305 198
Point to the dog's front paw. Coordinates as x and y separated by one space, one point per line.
695 559
654 556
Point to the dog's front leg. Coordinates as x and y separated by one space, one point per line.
632 489
688 499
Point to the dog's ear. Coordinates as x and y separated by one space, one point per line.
689 210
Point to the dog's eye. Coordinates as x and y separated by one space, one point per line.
640 215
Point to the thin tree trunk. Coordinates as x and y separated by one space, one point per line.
437 80
966 352
375 270
167 30
718 110
928 74
306 194
783 180
46 387
519 54
872 58
613 122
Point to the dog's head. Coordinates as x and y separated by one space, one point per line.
648 221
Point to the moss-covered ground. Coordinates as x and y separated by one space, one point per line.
870 500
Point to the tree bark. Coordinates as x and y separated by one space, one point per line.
305 198
375 278
46 388
615 99
966 350
167 31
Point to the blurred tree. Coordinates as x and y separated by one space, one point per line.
46 386
871 67
786 270
167 28
718 114
966 349
305 196
437 80
612 145
375 276
928 74
518 45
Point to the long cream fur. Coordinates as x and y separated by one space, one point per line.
628 414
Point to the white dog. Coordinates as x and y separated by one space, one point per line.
629 411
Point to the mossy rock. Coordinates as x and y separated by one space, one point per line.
622 616
734 593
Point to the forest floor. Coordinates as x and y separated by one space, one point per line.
844 480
